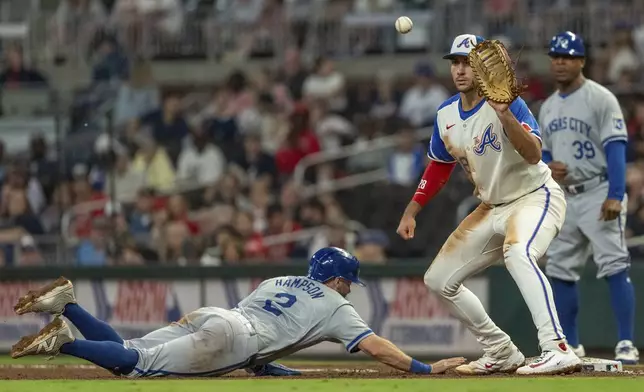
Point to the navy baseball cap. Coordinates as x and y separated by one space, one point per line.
567 44
463 44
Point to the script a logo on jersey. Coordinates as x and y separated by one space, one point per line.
489 138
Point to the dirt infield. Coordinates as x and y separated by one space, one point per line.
89 372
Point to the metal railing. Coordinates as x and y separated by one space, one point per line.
221 32
352 180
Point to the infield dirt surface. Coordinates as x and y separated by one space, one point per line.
54 371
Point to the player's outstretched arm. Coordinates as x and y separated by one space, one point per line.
525 143
434 178
386 352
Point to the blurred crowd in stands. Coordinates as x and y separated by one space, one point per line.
178 180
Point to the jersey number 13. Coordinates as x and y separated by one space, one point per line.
287 301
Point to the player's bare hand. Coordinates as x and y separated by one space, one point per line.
559 170
500 108
407 227
611 209
446 364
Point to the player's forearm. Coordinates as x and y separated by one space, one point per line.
526 144
616 167
434 178
386 352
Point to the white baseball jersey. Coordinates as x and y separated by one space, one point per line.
577 126
290 313
476 139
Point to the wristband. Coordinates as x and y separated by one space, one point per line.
419 367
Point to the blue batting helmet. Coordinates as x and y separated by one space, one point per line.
328 263
567 44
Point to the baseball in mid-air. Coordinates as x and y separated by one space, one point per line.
404 25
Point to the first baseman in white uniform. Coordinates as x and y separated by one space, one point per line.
282 316
522 209
584 144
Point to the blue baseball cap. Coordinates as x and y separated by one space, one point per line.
463 44
567 44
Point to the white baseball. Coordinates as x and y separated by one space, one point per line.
404 25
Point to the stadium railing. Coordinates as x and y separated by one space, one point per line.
214 32
351 180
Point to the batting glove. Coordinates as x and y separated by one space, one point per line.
274 369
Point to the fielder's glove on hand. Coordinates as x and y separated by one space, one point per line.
273 369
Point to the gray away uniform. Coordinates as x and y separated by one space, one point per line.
282 316
575 129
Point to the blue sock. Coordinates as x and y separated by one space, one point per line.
108 355
622 298
567 303
91 327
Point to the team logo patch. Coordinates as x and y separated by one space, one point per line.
618 122
465 43
489 138
527 127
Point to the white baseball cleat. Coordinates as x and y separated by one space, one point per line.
46 342
579 351
627 353
51 298
559 359
505 361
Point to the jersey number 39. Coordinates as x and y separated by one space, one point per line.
287 301
584 149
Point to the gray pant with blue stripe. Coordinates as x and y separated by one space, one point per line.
583 234
516 234
207 342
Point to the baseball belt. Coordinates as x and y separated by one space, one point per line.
586 185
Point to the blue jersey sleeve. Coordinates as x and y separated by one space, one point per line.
525 117
437 150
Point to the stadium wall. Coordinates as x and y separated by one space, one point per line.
395 303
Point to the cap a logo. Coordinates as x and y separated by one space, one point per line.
465 43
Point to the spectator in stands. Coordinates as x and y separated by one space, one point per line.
219 122
92 251
420 103
385 103
265 83
293 73
240 97
111 64
253 248
29 255
278 223
273 124
260 198
177 211
18 213
19 75
300 142
371 245
623 58
200 162
407 162
44 168
136 96
168 126
73 26
326 84
18 179
153 160
124 182
88 203
332 130
141 218
228 192
61 202
368 137
257 164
